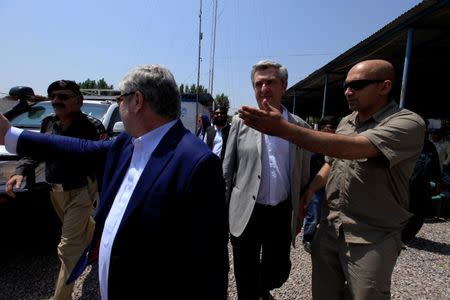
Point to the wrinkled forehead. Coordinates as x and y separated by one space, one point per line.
271 72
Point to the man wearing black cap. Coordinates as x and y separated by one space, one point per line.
73 181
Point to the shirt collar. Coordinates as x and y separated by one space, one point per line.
152 138
387 110
284 112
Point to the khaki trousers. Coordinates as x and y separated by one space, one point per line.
352 271
75 209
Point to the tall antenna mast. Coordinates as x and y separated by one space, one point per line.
213 52
200 36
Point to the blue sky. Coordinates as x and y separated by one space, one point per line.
46 40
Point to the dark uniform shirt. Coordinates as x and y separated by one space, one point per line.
68 171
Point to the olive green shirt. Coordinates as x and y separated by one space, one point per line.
369 197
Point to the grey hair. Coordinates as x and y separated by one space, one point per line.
266 64
158 85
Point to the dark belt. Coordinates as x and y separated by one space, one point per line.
283 204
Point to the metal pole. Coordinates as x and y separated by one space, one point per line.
200 36
409 42
325 89
293 104
213 52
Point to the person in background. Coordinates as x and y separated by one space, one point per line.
442 146
313 213
427 172
217 135
203 124
368 165
73 182
264 176
161 228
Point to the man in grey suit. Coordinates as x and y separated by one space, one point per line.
264 176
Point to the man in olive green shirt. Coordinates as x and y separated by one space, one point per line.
369 162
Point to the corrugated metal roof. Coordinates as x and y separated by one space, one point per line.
431 22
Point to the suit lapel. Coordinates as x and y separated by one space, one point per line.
154 167
292 149
109 191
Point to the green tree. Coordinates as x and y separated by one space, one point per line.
101 84
186 89
222 101
92 84
193 89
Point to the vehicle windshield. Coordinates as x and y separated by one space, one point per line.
34 116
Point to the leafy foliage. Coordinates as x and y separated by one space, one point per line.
185 89
222 101
92 84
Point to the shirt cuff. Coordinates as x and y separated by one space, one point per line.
11 139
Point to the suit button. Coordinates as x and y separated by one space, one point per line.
259 176
254 197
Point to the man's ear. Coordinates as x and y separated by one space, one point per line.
386 87
139 100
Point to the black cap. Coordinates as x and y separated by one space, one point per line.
64 85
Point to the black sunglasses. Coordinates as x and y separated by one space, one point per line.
360 84
120 98
62 97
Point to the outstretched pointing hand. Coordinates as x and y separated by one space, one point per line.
268 120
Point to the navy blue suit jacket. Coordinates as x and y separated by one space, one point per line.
172 240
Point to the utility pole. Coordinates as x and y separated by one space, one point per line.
213 53
200 36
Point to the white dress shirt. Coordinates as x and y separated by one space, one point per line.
218 141
143 149
275 169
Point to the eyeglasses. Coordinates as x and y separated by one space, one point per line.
120 98
62 97
360 84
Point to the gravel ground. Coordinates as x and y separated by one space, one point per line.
422 271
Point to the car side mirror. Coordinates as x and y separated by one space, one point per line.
118 128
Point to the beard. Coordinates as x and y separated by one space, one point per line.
220 122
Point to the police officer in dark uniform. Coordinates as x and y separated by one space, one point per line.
73 182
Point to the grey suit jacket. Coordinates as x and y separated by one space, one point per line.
242 173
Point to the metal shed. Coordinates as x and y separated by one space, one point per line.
417 43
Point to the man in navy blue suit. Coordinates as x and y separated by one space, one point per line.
159 231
